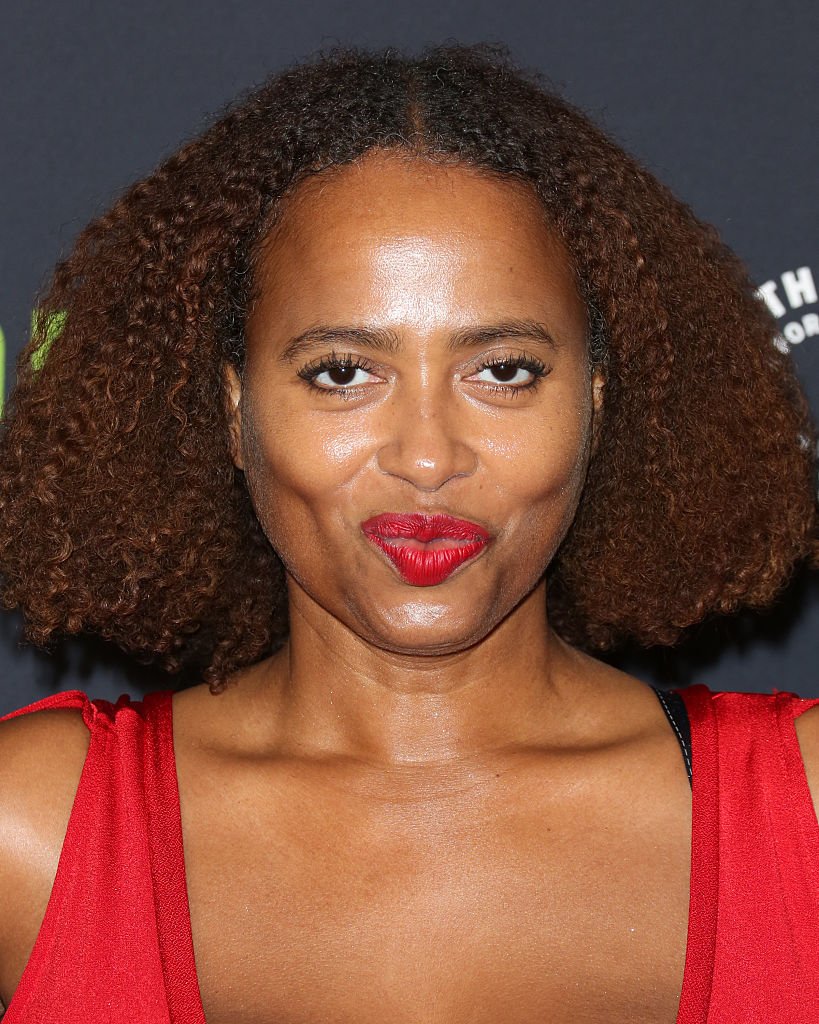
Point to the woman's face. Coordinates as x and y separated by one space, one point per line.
418 346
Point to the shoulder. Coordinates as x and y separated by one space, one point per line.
43 749
36 745
41 759
805 714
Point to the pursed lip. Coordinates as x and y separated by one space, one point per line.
424 527
425 548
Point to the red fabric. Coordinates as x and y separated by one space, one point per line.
115 945
753 929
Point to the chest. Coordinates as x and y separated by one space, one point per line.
523 904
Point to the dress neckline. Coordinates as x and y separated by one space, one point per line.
174 921
704 878
173 918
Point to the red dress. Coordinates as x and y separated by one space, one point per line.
115 945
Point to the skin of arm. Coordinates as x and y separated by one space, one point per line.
41 759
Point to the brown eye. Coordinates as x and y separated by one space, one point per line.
505 371
511 375
337 374
341 374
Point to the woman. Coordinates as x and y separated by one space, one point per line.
343 391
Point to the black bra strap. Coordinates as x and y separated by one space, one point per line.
674 707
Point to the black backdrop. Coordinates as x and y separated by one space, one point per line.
716 98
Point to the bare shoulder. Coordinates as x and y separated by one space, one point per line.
807 730
41 759
33 746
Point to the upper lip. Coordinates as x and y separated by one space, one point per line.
423 526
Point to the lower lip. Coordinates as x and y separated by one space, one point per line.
426 566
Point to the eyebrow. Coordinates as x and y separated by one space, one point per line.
386 340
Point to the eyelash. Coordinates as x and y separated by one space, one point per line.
532 364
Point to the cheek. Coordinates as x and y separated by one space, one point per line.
299 465
547 455
543 475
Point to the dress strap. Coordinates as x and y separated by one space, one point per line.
65 699
755 863
675 711
119 887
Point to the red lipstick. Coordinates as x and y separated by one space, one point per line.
425 549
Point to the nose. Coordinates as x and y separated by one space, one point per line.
425 444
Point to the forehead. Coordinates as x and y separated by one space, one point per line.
394 220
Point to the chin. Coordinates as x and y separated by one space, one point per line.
423 629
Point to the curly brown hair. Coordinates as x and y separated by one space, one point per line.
121 512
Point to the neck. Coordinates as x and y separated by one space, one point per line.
332 694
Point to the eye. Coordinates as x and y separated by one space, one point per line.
341 376
337 374
505 373
510 373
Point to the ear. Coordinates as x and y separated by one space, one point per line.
233 399
598 395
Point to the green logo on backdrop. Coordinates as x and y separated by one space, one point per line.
53 324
